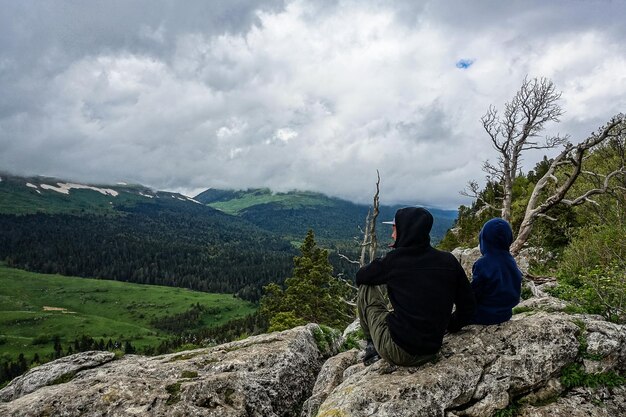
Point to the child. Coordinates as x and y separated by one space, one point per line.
496 279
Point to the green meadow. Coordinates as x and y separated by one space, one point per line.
35 307
293 200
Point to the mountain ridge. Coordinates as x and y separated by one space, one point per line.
237 243
290 213
131 233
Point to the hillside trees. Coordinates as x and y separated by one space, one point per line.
517 131
311 295
592 271
554 186
149 245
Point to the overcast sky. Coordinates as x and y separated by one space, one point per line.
310 95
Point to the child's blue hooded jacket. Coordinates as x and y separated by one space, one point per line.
496 279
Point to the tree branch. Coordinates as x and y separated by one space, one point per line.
571 156
344 257
602 190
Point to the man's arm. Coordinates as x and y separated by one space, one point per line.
373 273
464 302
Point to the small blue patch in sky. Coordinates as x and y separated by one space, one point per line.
464 63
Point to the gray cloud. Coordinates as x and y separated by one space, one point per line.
301 94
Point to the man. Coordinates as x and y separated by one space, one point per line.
423 285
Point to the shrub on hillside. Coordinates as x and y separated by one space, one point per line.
593 246
592 272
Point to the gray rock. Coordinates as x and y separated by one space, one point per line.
353 327
329 377
480 370
543 303
606 342
582 402
552 389
50 373
351 370
266 375
467 257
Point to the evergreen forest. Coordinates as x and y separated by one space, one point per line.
198 248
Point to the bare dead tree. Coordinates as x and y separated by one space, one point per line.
369 242
516 131
563 172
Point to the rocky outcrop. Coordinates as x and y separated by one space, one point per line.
582 402
266 375
53 373
520 365
483 369
467 257
331 375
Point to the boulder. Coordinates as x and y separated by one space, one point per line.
331 375
481 370
266 375
544 302
517 365
582 402
467 257
53 372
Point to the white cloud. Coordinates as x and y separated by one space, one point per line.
157 35
311 96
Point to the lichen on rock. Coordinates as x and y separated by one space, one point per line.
266 375
540 363
480 370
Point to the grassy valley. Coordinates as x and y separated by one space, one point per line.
36 307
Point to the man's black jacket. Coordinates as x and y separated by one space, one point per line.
423 284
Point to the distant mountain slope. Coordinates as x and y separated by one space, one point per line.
291 214
28 195
234 202
236 244
130 233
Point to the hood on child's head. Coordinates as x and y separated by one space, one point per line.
413 226
496 235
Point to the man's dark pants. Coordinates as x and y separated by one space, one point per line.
373 313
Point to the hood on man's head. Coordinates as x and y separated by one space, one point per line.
413 226
496 234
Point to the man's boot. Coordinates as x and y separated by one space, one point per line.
371 355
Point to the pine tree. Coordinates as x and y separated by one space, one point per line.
58 349
311 295
128 348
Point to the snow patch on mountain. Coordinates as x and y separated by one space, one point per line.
64 188
31 185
